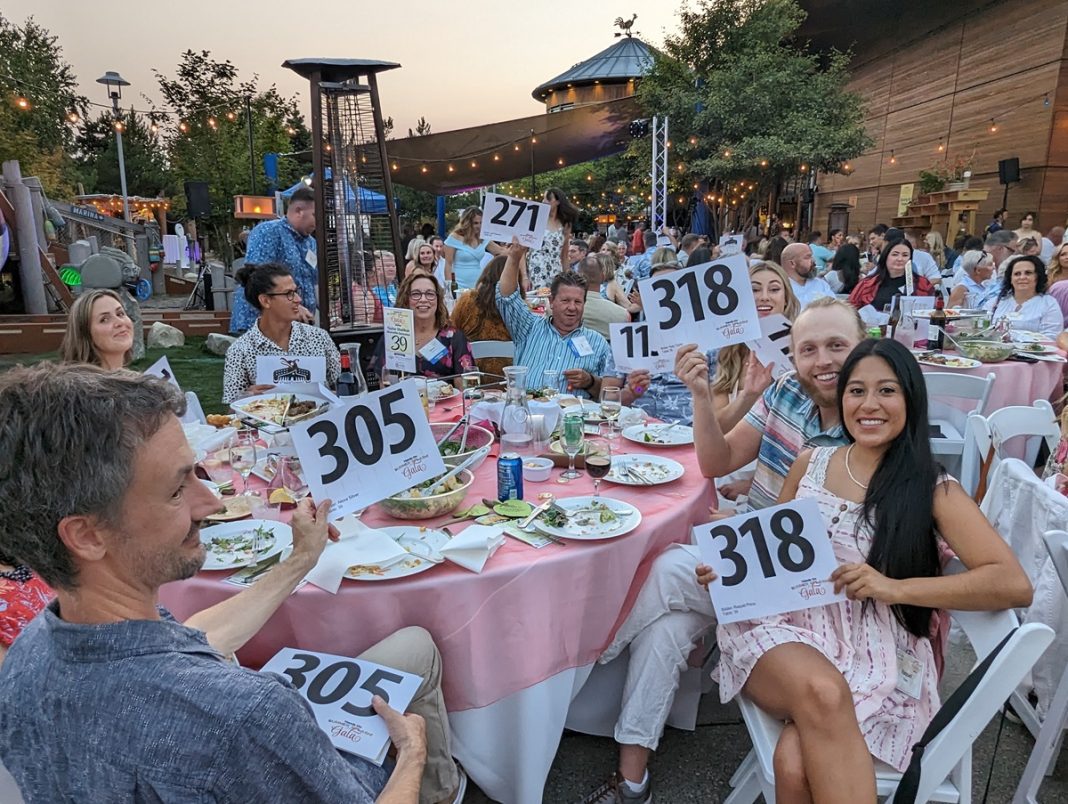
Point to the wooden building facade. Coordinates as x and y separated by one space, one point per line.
949 79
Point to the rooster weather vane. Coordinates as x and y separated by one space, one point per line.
625 25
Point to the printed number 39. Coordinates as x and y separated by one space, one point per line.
786 526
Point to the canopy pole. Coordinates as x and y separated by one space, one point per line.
441 215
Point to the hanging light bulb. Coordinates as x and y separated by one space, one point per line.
154 128
727 153
424 169
119 127
73 117
291 131
474 164
451 168
231 116
993 126
393 166
941 145
23 103
893 159
182 127
212 124
496 157
517 146
763 162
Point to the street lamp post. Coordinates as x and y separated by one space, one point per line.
114 83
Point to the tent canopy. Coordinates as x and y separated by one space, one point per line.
371 203
453 161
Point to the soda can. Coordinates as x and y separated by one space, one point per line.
510 477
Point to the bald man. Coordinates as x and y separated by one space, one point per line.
801 268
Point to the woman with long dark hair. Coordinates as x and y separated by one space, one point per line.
892 517
477 317
844 272
550 258
889 279
1023 302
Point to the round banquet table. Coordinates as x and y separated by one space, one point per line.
1015 383
517 640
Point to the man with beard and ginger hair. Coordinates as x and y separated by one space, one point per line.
105 696
672 612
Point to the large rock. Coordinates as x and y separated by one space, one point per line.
164 336
217 343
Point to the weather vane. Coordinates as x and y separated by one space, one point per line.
625 25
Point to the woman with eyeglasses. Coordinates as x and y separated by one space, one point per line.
270 289
1023 302
440 349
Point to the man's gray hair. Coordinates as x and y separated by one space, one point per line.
1002 237
69 436
971 260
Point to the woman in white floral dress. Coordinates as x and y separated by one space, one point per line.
550 258
832 672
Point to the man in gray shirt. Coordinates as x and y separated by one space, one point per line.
105 697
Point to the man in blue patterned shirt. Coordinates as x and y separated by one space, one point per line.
105 697
288 241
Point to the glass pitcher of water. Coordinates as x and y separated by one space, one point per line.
516 425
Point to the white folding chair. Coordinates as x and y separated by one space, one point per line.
947 760
480 349
194 413
1048 740
1021 421
943 390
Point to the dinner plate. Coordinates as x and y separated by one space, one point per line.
229 546
951 312
654 469
1027 336
587 526
239 406
414 539
446 390
955 362
558 448
659 435
236 508
1032 348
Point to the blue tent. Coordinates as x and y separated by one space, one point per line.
371 203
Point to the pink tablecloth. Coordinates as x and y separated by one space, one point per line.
529 615
1016 383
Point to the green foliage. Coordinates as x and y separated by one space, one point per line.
740 91
37 137
147 173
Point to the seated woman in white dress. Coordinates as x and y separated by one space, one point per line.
893 517
1023 302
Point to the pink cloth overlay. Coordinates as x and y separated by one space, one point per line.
1016 383
529 615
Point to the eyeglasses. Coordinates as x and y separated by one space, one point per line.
416 295
291 295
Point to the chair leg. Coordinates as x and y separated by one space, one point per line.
747 768
747 783
1026 712
1047 746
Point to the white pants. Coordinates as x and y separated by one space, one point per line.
670 615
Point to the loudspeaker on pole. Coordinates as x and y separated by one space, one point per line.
1009 170
198 201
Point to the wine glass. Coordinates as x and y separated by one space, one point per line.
598 460
243 455
611 405
572 440
290 479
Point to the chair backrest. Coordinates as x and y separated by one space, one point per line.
1057 544
984 629
976 445
941 384
1017 421
480 349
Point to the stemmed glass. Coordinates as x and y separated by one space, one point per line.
572 440
598 460
611 405
289 478
243 455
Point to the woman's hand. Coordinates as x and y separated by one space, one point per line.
691 367
638 382
757 378
862 581
705 575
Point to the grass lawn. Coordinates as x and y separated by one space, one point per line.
195 369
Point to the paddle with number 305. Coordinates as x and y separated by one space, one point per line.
360 453
711 305
769 562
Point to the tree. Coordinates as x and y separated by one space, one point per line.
37 131
211 143
422 128
97 157
750 104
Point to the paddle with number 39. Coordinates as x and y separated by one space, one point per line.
363 452
711 305
769 562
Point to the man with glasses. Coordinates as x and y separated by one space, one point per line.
1000 245
288 241
974 289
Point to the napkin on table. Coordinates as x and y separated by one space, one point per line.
872 317
358 544
492 411
472 547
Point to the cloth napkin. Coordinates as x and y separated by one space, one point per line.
492 411
872 317
472 547
206 438
358 544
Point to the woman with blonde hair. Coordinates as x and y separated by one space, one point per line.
613 291
464 250
98 331
423 259
936 247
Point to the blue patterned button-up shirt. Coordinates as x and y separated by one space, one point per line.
277 241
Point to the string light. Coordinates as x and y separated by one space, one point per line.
231 116
941 145
727 153
474 164
763 162
496 157
451 168
212 123
393 166
73 117
182 127
291 131
993 126
119 127
23 103
154 128
424 169
893 159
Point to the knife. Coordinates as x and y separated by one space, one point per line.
533 514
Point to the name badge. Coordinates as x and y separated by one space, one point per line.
311 258
580 345
433 351
909 674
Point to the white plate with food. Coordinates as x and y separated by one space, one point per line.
659 435
951 312
1027 336
643 470
445 390
1026 348
421 543
948 361
589 518
229 546
271 408
236 508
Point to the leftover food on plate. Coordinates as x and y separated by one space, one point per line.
218 420
947 361
235 547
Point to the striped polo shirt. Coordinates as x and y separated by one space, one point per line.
539 346
790 423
